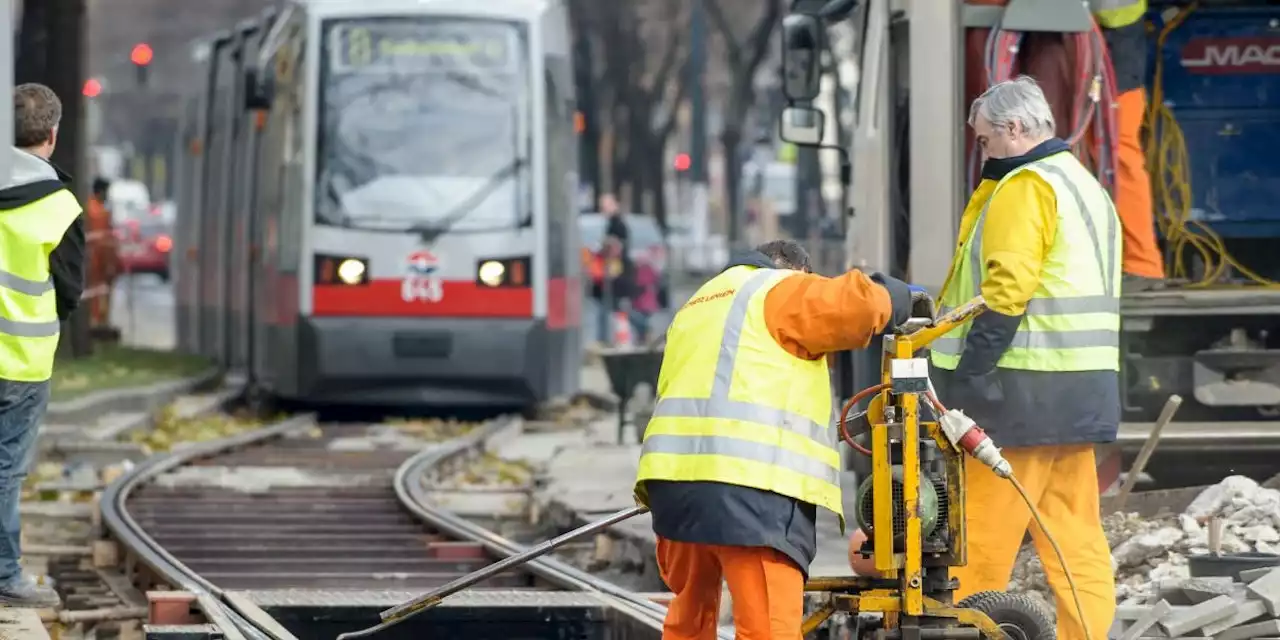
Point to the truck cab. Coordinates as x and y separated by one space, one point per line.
1213 73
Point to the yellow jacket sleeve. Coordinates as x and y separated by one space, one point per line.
1020 227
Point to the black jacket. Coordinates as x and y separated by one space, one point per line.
34 178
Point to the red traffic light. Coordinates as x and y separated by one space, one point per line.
683 162
92 88
141 54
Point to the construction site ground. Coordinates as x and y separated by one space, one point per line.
1150 541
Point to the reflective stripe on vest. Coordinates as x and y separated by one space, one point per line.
946 351
719 405
29 324
1114 14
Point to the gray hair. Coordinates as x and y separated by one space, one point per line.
1015 101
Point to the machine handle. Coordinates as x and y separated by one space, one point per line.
946 322
963 313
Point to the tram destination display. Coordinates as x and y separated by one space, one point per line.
421 44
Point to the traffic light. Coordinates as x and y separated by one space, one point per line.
141 58
682 162
92 88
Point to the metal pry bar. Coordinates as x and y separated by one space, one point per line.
402 612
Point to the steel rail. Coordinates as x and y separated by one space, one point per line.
414 497
127 531
410 492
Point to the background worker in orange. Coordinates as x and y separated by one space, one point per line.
776 387
104 257
1126 37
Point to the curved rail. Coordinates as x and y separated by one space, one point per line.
414 497
116 517
410 492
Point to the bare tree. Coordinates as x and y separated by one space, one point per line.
49 51
744 51
638 78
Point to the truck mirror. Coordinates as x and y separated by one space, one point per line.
802 126
259 88
802 45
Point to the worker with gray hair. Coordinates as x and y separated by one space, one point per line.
1040 241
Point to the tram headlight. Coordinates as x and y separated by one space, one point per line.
491 272
351 271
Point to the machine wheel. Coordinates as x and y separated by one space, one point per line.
972 601
1021 617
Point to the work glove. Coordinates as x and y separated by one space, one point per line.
899 296
921 304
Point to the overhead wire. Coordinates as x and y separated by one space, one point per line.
1167 160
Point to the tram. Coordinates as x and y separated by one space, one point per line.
377 204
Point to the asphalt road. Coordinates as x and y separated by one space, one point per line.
142 308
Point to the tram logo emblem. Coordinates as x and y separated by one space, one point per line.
422 278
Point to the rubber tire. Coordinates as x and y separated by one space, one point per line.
972 600
1015 612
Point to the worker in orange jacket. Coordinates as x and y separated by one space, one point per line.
104 257
740 453
1126 37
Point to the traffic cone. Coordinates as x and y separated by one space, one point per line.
621 329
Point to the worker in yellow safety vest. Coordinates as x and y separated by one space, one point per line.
741 450
41 279
1126 36
1039 240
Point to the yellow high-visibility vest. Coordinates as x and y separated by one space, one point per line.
736 408
28 305
1072 321
1113 14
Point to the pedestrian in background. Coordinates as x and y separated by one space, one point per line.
41 279
104 257
615 290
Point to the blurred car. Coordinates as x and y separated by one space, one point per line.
648 247
146 236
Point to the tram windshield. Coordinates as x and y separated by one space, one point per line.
423 125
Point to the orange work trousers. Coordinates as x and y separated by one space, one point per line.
766 586
1063 483
1133 190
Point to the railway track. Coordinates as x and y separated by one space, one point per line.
300 514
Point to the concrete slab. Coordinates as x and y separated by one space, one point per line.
22 624
1153 615
1246 612
1199 615
1256 630
1267 590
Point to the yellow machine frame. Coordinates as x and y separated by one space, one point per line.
906 598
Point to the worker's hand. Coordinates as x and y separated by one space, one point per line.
899 298
861 566
921 303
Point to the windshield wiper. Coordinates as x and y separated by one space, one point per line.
431 231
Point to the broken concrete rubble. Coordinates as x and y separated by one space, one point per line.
1247 612
1150 557
1147 550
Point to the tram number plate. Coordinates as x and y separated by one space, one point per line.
422 345
428 289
